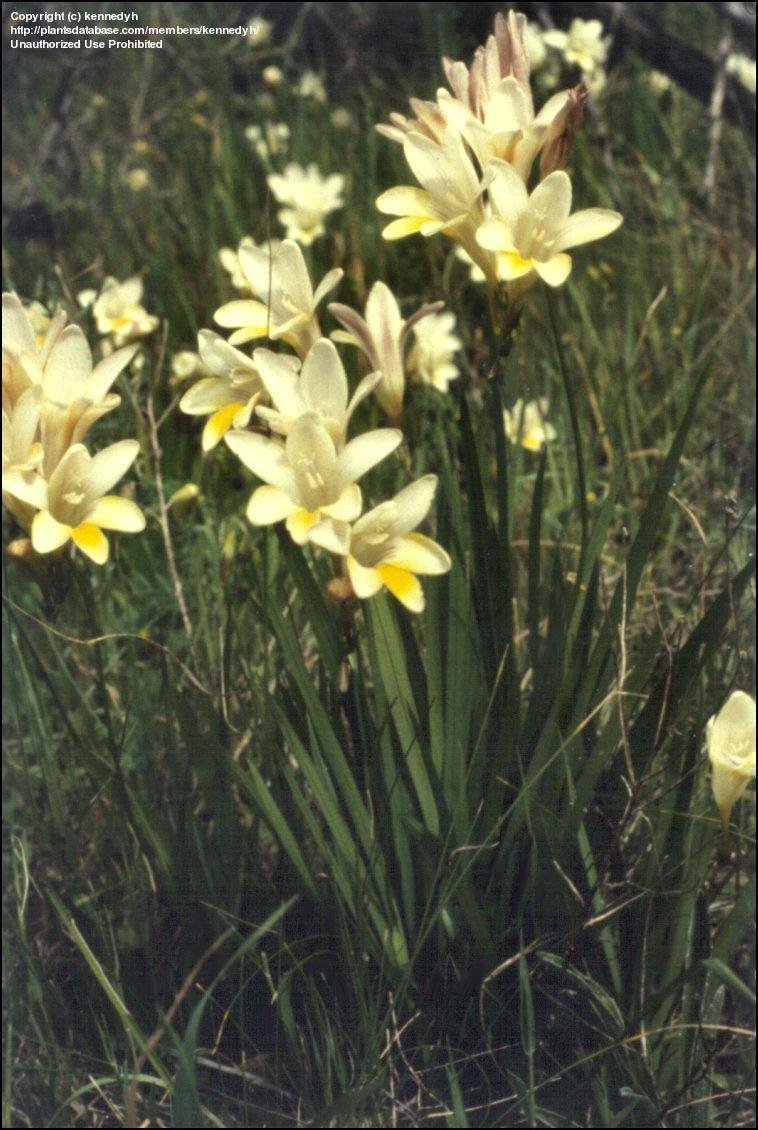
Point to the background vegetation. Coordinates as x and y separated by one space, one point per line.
293 868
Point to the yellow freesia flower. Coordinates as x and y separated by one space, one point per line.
309 198
284 306
118 311
76 506
526 423
730 737
318 389
306 478
531 234
229 395
381 550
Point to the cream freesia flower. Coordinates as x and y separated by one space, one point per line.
435 343
531 234
743 69
309 197
311 86
318 389
118 311
306 478
23 485
381 550
74 393
583 44
534 42
526 424
382 335
449 201
229 260
77 506
25 350
229 395
730 737
284 302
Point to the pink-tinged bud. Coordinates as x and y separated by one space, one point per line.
562 132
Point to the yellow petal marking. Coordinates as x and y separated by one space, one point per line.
300 523
404 585
219 424
92 541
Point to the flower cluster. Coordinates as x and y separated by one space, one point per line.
52 395
583 46
472 152
308 466
308 198
117 309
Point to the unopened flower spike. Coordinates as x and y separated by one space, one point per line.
382 336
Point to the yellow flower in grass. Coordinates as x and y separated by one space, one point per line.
23 486
382 335
26 348
118 311
431 359
526 423
318 389
306 478
309 198
229 395
730 737
77 507
382 550
284 302
449 201
583 44
531 234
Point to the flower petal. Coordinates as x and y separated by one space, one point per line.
268 505
508 191
243 312
365 451
323 383
47 534
92 541
332 535
327 284
554 271
418 554
495 235
300 523
109 465
279 373
403 585
366 582
412 505
586 226
264 457
114 513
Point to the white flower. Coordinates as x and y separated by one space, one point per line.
284 305
23 486
25 349
450 200
526 423
260 28
229 395
743 69
137 179
118 310
319 389
187 364
76 506
381 336
306 478
730 737
341 118
311 85
434 346
272 76
659 82
531 234
382 552
535 45
583 44
309 198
